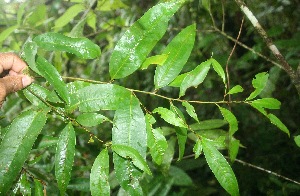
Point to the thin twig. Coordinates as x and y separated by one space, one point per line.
294 76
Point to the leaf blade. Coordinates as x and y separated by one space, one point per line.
170 117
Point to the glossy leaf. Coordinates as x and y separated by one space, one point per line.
208 124
268 103
64 157
133 155
190 110
297 140
197 148
157 145
220 168
68 15
129 129
29 53
25 188
259 83
170 117
39 93
154 60
235 89
219 69
231 119
178 80
99 184
178 51
138 41
195 77
16 145
52 76
81 47
90 119
97 97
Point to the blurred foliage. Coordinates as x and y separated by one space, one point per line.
105 21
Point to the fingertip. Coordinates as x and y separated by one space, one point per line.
26 81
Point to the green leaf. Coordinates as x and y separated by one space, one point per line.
190 110
52 76
231 119
38 188
133 155
154 60
25 188
259 83
39 92
169 155
170 117
157 145
64 157
99 184
178 80
208 124
138 41
38 16
233 149
197 148
129 129
276 121
81 47
104 5
220 168
235 89
97 97
28 54
68 15
178 51
4 34
195 77
219 69
90 119
16 145
206 4
297 140
268 103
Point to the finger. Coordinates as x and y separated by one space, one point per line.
10 61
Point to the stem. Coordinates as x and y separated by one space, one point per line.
295 77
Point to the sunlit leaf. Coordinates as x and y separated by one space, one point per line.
190 110
170 117
235 89
25 188
64 157
220 168
259 83
68 15
231 119
104 5
219 69
178 51
138 41
16 145
178 80
38 16
154 60
197 148
52 76
38 188
268 103
29 53
81 47
99 184
195 77
90 119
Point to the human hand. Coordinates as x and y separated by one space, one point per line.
14 80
